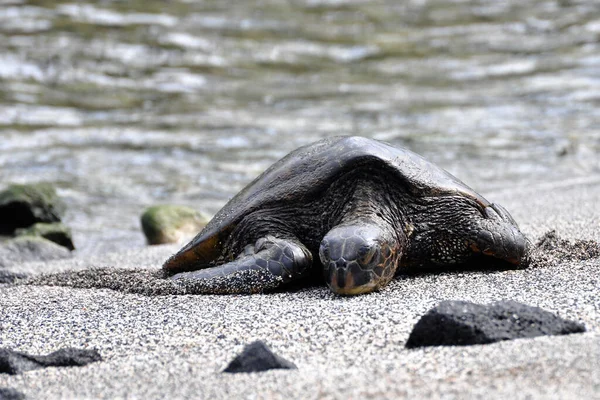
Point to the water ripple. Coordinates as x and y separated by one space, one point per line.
126 104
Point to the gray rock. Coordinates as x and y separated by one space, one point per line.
29 248
24 205
9 277
257 357
10 394
460 323
14 362
55 232
171 223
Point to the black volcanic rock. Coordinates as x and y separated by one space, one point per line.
257 357
461 323
9 277
14 362
10 394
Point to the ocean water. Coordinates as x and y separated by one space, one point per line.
126 104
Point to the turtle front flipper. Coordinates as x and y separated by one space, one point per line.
269 264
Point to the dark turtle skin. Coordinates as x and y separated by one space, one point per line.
351 209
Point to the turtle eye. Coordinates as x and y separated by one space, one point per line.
324 253
366 254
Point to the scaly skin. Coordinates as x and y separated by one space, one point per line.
353 210
286 259
359 258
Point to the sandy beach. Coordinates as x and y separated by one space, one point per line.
158 347
120 107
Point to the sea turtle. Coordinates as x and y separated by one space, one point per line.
352 209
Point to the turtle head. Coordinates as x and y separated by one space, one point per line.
498 235
358 258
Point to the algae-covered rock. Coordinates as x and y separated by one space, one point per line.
30 248
55 232
171 223
24 205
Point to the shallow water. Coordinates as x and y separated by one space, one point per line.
127 104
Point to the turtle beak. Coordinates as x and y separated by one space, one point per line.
347 281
